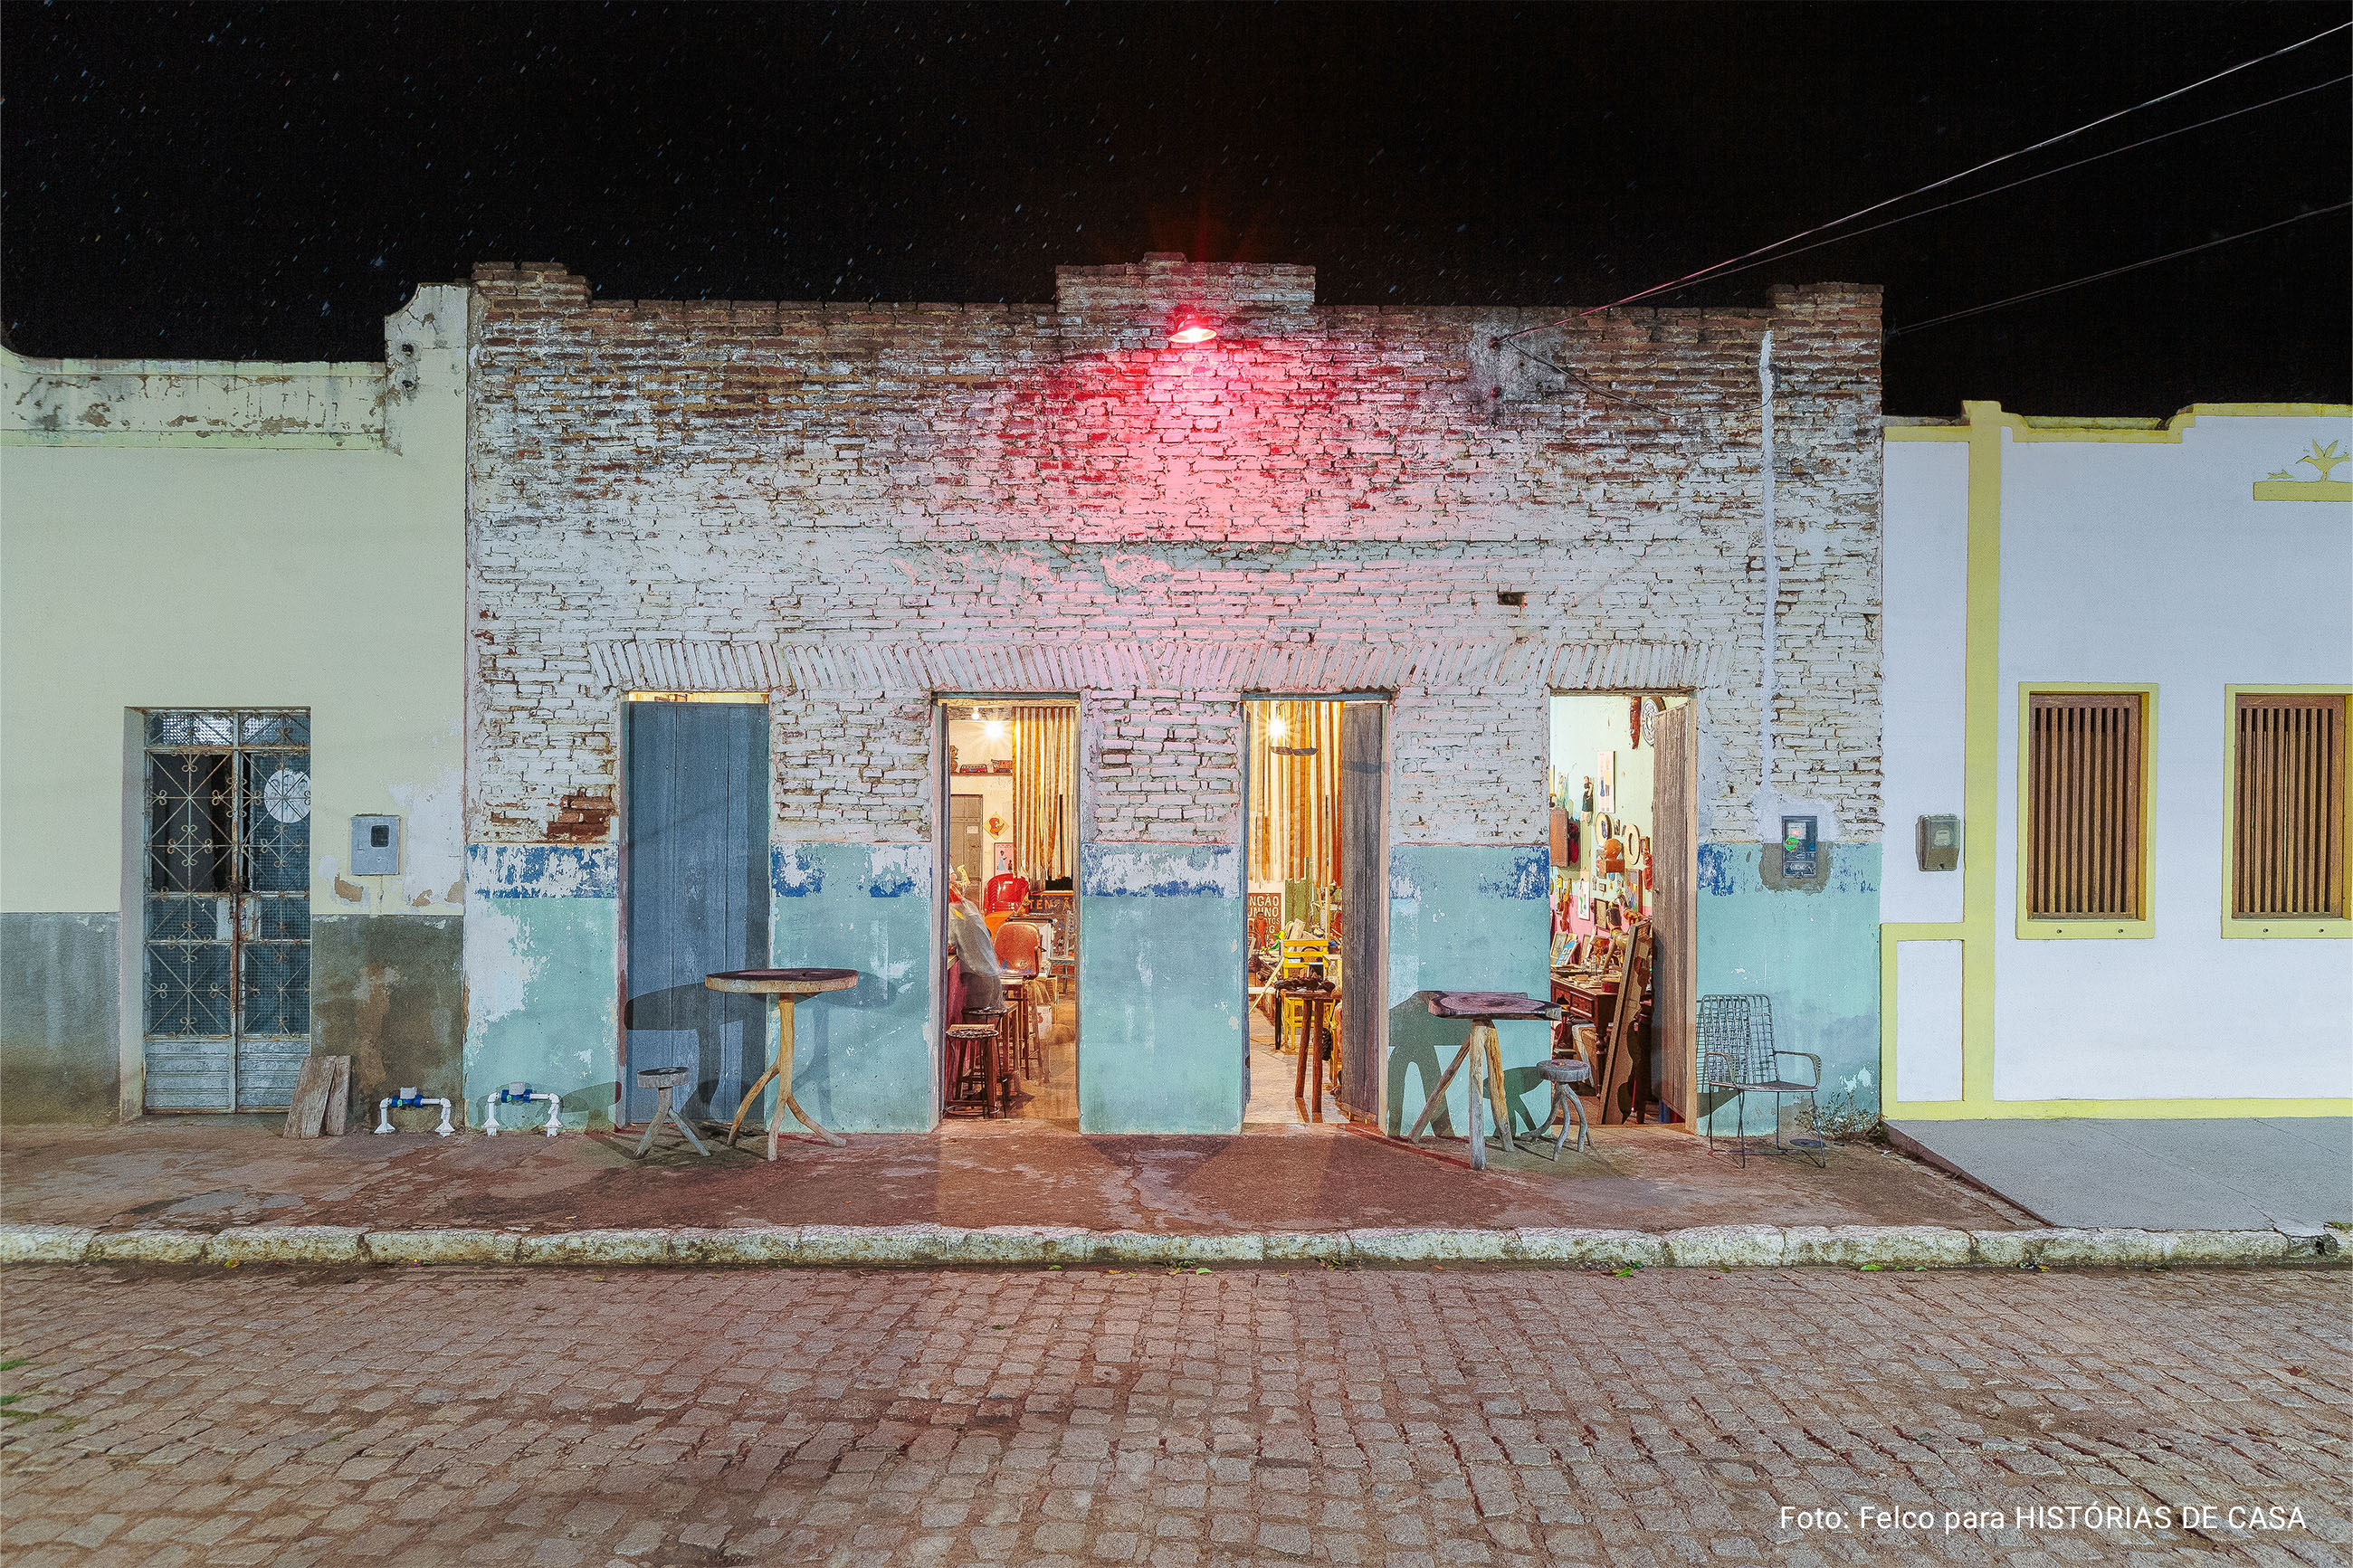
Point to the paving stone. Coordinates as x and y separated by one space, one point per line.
441 1246
1251 1415
1536 1244
614 1247
148 1247
44 1243
285 1244
1725 1246
737 1244
1880 1245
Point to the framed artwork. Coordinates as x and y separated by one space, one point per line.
1604 784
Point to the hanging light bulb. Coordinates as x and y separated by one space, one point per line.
996 729
1274 728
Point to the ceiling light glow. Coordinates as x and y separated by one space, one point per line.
1187 333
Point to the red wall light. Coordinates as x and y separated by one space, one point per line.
1189 332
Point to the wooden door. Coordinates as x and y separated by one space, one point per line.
697 893
1674 850
1365 902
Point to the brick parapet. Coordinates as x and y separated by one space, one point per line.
766 474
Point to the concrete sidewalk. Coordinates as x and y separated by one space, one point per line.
2198 1174
209 1174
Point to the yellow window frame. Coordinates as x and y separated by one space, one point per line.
2032 927
2302 928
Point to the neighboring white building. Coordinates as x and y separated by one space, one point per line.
2086 619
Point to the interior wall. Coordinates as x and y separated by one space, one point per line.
1585 726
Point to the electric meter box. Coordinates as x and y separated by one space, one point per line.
1940 844
375 845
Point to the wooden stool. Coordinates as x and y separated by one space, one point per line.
972 1068
1565 1073
662 1080
1317 1002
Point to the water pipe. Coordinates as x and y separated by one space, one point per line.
409 1098
519 1093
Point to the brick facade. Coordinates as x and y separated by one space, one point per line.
858 505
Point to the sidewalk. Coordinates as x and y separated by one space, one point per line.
207 1174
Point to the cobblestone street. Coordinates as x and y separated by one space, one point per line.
1248 1416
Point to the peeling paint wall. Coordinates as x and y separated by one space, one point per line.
856 508
542 944
199 535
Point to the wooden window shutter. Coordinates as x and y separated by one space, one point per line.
2084 805
2287 828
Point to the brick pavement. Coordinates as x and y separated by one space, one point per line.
1406 1418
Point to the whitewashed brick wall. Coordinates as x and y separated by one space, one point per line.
866 504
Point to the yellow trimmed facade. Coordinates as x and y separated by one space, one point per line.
1998 1077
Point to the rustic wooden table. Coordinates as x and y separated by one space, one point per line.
786 987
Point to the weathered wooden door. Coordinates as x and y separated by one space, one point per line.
1674 872
1365 898
964 840
697 892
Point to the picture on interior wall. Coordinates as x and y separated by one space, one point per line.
1605 784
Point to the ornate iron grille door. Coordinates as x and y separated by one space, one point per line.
227 918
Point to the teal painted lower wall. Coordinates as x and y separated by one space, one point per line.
863 1059
1814 951
1162 1042
542 957
1465 918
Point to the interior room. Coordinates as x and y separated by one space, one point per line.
1010 952
1609 938
1297 888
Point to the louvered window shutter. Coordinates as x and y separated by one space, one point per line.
2288 829
2084 789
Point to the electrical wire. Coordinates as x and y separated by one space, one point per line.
1964 200
2113 271
1934 184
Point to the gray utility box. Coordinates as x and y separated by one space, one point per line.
375 845
1940 843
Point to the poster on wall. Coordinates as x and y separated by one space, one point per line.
1604 784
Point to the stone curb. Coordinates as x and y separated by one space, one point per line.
1699 1246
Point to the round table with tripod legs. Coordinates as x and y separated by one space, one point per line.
787 987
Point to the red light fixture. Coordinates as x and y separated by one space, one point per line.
1190 330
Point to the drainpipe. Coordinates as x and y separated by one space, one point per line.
409 1097
1772 592
519 1093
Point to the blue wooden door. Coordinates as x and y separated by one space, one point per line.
697 897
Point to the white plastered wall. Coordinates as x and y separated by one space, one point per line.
1925 576
238 535
2151 563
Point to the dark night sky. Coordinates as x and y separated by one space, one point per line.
237 181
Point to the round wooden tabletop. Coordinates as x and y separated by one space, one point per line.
783 982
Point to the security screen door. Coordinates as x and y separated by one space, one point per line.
227 948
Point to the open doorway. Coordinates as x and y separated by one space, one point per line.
1009 946
1316 896
1623 865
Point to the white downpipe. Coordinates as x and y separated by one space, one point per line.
1766 831
520 1094
409 1097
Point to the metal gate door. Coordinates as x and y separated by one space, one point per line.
226 927
1364 999
698 897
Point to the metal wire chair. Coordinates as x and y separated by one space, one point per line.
1737 1056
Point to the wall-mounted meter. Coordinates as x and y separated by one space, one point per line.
1800 848
1940 843
375 845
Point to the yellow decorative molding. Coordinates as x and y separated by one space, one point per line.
2304 489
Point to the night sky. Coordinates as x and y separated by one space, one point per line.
237 181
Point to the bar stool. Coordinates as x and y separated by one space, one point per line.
972 1068
662 1080
1317 1001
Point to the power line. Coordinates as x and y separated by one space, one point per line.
1935 185
2113 271
1964 200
